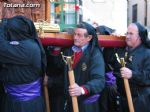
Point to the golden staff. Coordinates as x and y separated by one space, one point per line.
126 84
68 60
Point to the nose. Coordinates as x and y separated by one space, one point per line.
127 36
75 36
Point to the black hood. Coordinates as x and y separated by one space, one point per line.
20 28
104 30
143 33
92 31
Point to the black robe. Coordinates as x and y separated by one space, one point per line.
55 81
138 60
21 65
109 100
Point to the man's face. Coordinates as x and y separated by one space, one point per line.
80 37
132 36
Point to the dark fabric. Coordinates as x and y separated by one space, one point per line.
21 28
2 101
2 96
110 58
92 31
22 61
55 81
35 105
27 53
138 60
104 30
143 33
54 72
110 98
2 93
89 72
56 101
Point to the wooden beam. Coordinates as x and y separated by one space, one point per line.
66 40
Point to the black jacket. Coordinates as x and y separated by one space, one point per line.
89 72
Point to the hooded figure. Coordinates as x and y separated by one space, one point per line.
21 28
23 65
137 69
109 96
107 52
88 67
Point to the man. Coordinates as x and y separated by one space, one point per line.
88 66
137 69
23 65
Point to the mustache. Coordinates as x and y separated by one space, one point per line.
75 40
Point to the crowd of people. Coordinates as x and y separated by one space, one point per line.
98 86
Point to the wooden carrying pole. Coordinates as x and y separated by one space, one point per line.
72 81
127 88
46 98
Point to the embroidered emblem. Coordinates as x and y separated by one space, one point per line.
130 58
14 43
84 66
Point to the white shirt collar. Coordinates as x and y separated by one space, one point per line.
77 49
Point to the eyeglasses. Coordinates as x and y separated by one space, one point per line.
130 33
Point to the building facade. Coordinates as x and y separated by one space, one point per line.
68 13
112 13
139 11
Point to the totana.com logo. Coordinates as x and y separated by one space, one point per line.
15 5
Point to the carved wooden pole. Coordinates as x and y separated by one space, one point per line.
127 88
68 60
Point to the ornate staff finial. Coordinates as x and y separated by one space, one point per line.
126 83
68 60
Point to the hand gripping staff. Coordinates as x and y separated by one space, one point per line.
126 84
68 61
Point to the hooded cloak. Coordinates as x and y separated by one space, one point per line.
143 33
20 28
104 30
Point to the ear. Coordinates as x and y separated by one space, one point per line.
89 38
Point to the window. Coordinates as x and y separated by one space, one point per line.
63 13
134 13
